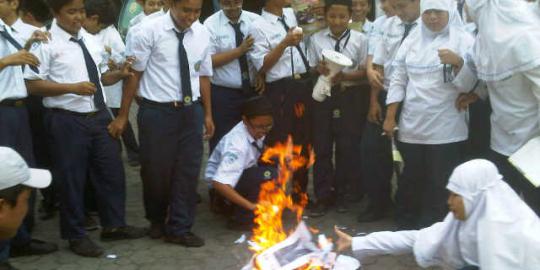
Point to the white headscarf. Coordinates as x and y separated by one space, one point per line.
508 37
420 48
500 230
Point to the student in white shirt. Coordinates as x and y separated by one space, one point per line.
100 19
172 70
432 131
488 227
233 169
77 119
509 62
36 13
233 75
148 7
359 21
279 54
14 127
339 118
376 150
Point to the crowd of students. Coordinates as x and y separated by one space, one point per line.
435 79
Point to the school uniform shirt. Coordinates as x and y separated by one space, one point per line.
223 39
234 153
11 77
22 31
62 61
362 27
137 19
428 111
114 50
375 34
352 44
133 30
268 32
388 45
155 49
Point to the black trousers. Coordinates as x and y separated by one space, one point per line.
15 133
226 111
80 144
517 181
479 129
128 137
249 187
171 149
292 105
340 120
421 198
377 162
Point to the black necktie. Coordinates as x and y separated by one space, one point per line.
17 46
185 77
244 70
337 48
408 27
260 149
93 74
304 59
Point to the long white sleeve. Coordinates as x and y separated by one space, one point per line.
382 243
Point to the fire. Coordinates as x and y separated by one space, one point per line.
275 197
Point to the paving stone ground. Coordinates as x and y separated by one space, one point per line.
220 252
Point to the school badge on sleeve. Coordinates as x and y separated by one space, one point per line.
198 65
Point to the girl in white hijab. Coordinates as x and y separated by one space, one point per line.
432 131
489 227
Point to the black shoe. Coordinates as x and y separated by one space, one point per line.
342 207
85 247
239 226
157 230
371 216
123 233
7 266
34 247
319 210
187 239
90 224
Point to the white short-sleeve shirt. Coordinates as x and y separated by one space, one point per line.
223 39
11 77
234 153
114 50
268 32
62 61
22 31
155 48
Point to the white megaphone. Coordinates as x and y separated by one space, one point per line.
335 62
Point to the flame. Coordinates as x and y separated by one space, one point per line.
275 197
299 109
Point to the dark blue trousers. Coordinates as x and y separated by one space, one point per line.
171 148
421 198
377 162
292 111
249 187
226 111
517 181
15 133
340 120
479 129
80 144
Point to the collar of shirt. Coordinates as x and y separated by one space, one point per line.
58 33
329 33
224 21
273 18
250 138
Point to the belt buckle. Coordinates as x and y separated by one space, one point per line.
18 103
177 104
297 76
91 114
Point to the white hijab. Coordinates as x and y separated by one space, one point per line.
500 230
508 40
420 48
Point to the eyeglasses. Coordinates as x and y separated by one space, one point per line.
263 128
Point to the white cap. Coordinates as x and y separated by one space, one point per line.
14 171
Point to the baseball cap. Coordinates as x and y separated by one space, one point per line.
14 171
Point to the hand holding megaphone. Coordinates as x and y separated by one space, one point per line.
294 36
333 63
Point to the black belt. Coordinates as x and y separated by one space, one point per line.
12 102
296 77
80 114
174 104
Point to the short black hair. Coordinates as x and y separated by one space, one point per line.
256 106
56 5
10 195
38 8
330 3
105 9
